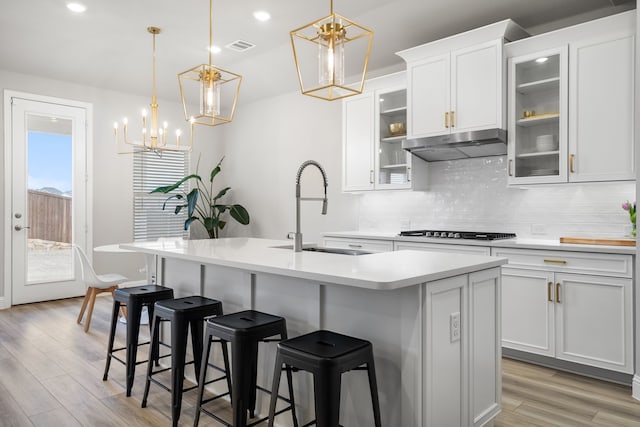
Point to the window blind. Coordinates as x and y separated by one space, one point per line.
151 170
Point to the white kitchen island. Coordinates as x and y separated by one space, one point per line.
433 319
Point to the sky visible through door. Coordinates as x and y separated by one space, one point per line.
49 187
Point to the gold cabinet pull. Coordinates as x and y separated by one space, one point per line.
371 176
572 159
558 292
446 120
549 285
453 119
555 261
510 167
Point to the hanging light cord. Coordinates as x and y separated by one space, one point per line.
210 29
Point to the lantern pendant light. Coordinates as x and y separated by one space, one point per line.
209 94
330 42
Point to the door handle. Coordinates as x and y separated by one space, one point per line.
510 165
446 119
20 228
371 177
572 159
549 297
558 292
453 120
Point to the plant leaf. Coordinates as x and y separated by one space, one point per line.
221 193
169 188
192 201
178 209
221 224
215 171
239 213
188 222
175 196
209 223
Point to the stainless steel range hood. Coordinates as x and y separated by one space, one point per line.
482 143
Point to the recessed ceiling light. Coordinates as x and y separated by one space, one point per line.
261 15
542 60
76 7
215 49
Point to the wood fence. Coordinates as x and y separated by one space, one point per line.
49 216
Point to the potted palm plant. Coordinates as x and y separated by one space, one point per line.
201 203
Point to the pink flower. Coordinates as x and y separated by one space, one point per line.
626 205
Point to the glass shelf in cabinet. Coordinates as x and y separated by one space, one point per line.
393 110
394 166
393 138
539 85
538 120
538 154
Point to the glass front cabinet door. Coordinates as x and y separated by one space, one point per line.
393 164
537 146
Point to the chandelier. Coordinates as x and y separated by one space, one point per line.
320 50
154 136
213 90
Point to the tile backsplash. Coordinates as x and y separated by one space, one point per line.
473 195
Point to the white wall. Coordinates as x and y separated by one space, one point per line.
111 172
265 145
472 195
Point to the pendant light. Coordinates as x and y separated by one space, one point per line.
213 90
154 137
321 50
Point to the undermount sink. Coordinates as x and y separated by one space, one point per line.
340 251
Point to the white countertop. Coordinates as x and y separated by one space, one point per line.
516 243
381 271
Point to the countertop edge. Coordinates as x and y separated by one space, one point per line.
323 278
506 243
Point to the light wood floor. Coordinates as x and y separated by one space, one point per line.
51 375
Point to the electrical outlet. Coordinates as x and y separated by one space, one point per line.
538 229
454 326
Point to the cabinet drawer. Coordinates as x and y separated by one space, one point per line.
360 244
569 262
437 247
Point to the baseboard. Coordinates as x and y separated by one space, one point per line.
576 368
635 387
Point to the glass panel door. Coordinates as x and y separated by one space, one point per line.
539 117
48 201
393 163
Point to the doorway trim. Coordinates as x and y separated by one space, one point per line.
5 299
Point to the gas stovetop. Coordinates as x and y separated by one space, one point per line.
473 235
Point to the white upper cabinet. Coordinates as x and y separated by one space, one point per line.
537 137
374 127
601 108
357 147
430 97
457 84
477 88
571 116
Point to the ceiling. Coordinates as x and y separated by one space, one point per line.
108 46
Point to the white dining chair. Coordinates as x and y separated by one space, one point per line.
95 284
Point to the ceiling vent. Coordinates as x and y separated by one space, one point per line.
240 45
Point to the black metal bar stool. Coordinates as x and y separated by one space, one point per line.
326 355
184 314
134 298
244 330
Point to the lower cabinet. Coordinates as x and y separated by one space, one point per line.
438 247
468 351
370 245
582 318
